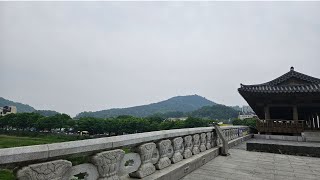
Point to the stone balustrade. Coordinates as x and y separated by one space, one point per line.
150 152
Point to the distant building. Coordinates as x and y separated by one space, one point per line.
8 110
246 116
177 119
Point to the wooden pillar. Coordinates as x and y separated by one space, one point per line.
315 121
295 113
266 112
318 121
311 121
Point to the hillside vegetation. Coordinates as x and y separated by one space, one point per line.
175 104
215 112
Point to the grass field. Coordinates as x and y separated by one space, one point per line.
7 141
14 141
6 175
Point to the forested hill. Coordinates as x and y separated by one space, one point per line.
215 112
20 107
178 103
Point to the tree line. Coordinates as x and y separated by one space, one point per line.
108 126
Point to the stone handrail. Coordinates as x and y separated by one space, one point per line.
151 151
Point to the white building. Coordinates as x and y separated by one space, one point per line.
8 110
246 116
176 119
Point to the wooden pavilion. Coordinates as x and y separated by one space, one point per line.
289 104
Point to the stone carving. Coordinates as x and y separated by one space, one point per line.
232 134
225 134
215 139
209 140
178 149
236 132
108 164
129 163
187 147
53 170
203 142
90 171
146 152
155 156
166 151
219 142
196 144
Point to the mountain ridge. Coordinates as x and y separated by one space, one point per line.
178 103
178 106
20 106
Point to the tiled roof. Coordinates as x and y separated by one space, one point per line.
281 89
311 84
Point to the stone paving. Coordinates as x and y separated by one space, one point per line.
291 143
242 164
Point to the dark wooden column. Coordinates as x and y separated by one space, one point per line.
295 113
266 112
316 119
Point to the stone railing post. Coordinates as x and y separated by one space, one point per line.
225 145
209 140
166 152
178 149
108 164
203 141
147 152
196 144
44 171
187 147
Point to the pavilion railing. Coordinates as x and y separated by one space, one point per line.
313 124
280 126
149 152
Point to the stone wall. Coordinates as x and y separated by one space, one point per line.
150 153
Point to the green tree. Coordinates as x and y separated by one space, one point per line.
6 121
92 125
192 122
166 125
251 122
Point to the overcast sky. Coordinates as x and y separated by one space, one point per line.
88 56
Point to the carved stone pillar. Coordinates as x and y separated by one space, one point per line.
203 142
52 170
187 147
147 153
209 140
196 144
214 138
108 164
166 152
178 149
225 134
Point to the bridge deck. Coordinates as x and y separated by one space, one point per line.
242 164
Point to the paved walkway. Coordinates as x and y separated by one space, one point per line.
242 165
291 143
